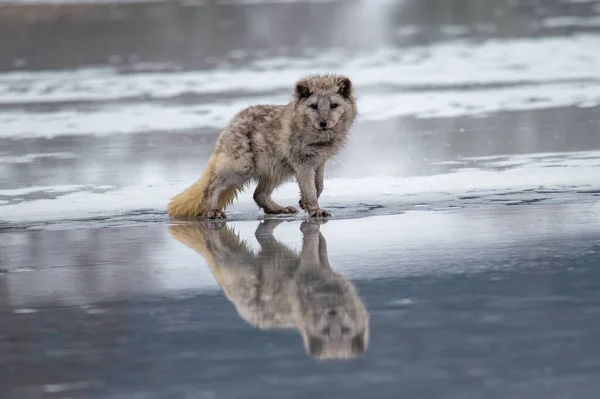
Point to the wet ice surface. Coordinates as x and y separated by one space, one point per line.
469 182
466 210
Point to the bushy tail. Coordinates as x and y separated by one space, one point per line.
196 237
191 202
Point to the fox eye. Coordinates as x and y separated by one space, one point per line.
333 106
314 106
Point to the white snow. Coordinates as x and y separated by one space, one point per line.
48 189
566 22
28 158
457 62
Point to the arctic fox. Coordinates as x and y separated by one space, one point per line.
279 288
272 144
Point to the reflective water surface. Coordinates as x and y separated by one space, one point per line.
439 304
279 289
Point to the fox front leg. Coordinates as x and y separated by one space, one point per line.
306 177
319 179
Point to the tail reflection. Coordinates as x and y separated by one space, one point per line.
278 288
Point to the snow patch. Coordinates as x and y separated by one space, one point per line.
29 158
532 172
46 189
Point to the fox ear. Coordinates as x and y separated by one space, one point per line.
345 87
302 91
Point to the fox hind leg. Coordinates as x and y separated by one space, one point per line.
221 191
262 197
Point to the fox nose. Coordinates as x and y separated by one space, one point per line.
323 124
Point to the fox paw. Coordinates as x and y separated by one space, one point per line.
319 213
290 209
311 225
281 211
216 214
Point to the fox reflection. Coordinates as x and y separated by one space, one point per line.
279 288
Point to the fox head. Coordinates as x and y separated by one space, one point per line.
324 105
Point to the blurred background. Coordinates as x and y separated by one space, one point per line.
206 34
